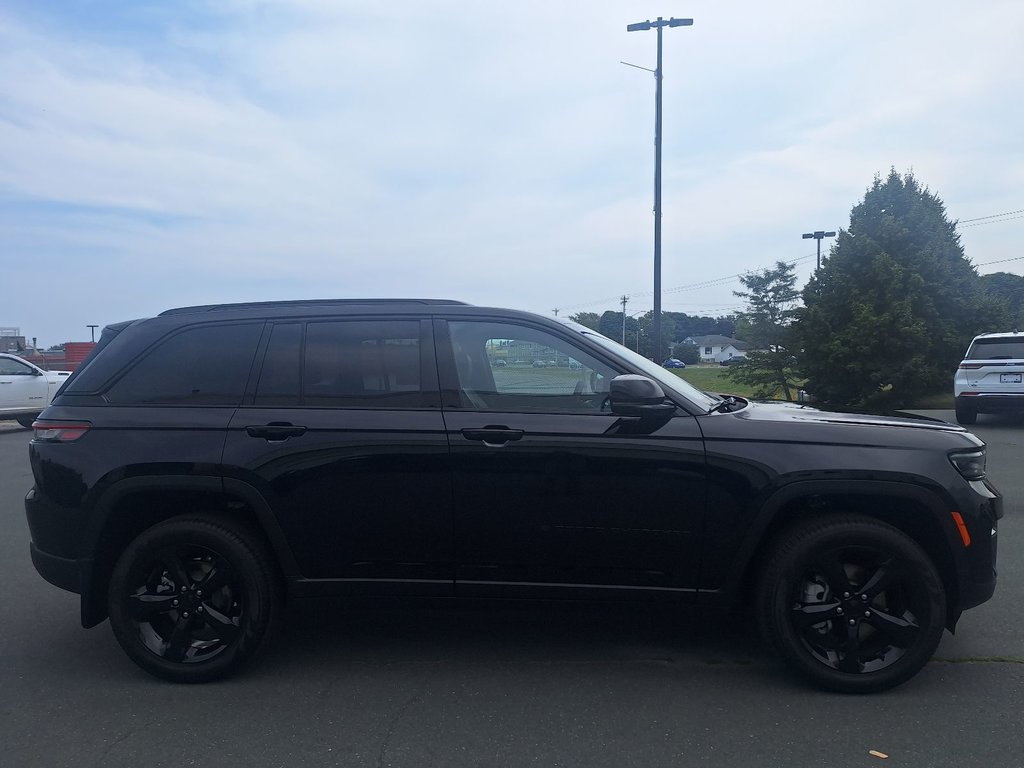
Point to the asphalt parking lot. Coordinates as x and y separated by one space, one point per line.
508 685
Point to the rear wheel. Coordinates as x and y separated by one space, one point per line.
26 421
193 598
851 603
965 415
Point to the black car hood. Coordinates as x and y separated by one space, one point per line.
799 412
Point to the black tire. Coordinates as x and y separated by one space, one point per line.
192 599
26 421
965 416
852 604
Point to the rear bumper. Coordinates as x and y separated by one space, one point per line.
59 571
49 530
982 402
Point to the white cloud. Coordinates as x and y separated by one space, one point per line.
255 150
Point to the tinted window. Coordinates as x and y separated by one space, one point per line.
363 364
502 366
997 349
208 365
282 365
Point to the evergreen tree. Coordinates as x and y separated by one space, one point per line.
771 298
892 309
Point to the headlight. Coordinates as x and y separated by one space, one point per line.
971 464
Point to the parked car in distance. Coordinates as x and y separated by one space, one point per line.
732 361
499 363
990 379
207 464
673 363
26 389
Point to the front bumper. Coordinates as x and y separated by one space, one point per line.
981 511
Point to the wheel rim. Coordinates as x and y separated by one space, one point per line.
185 603
859 609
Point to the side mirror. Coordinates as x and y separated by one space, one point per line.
633 395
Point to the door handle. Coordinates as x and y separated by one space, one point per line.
495 437
276 431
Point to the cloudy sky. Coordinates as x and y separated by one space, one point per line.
158 154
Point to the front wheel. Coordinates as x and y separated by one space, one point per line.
851 603
193 598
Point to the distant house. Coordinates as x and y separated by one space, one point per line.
715 349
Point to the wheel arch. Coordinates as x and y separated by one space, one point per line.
914 510
136 504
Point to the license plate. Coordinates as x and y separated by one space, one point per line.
1010 378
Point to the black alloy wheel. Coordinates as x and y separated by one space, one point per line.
191 599
853 604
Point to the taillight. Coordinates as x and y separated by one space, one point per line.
971 366
59 431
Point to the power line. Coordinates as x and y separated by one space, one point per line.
718 281
993 216
996 221
1001 261
688 287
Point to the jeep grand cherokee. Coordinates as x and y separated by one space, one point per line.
205 465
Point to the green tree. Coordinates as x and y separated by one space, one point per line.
687 353
892 309
771 296
590 319
698 325
1009 289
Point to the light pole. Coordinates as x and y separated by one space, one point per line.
818 235
624 300
641 27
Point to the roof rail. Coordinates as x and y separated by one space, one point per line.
302 303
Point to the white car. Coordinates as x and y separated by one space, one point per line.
991 377
26 389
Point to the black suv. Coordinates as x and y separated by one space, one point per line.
203 465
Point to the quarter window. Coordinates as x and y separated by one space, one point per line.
207 365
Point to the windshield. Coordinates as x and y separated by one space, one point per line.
668 381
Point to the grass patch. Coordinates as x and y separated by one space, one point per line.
712 378
715 378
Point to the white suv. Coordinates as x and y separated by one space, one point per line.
991 376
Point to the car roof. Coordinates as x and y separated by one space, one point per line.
1000 335
307 303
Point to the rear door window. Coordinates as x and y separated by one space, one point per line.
344 364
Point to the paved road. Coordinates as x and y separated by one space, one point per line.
507 686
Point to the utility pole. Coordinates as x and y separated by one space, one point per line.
639 27
818 235
92 329
624 300
555 310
